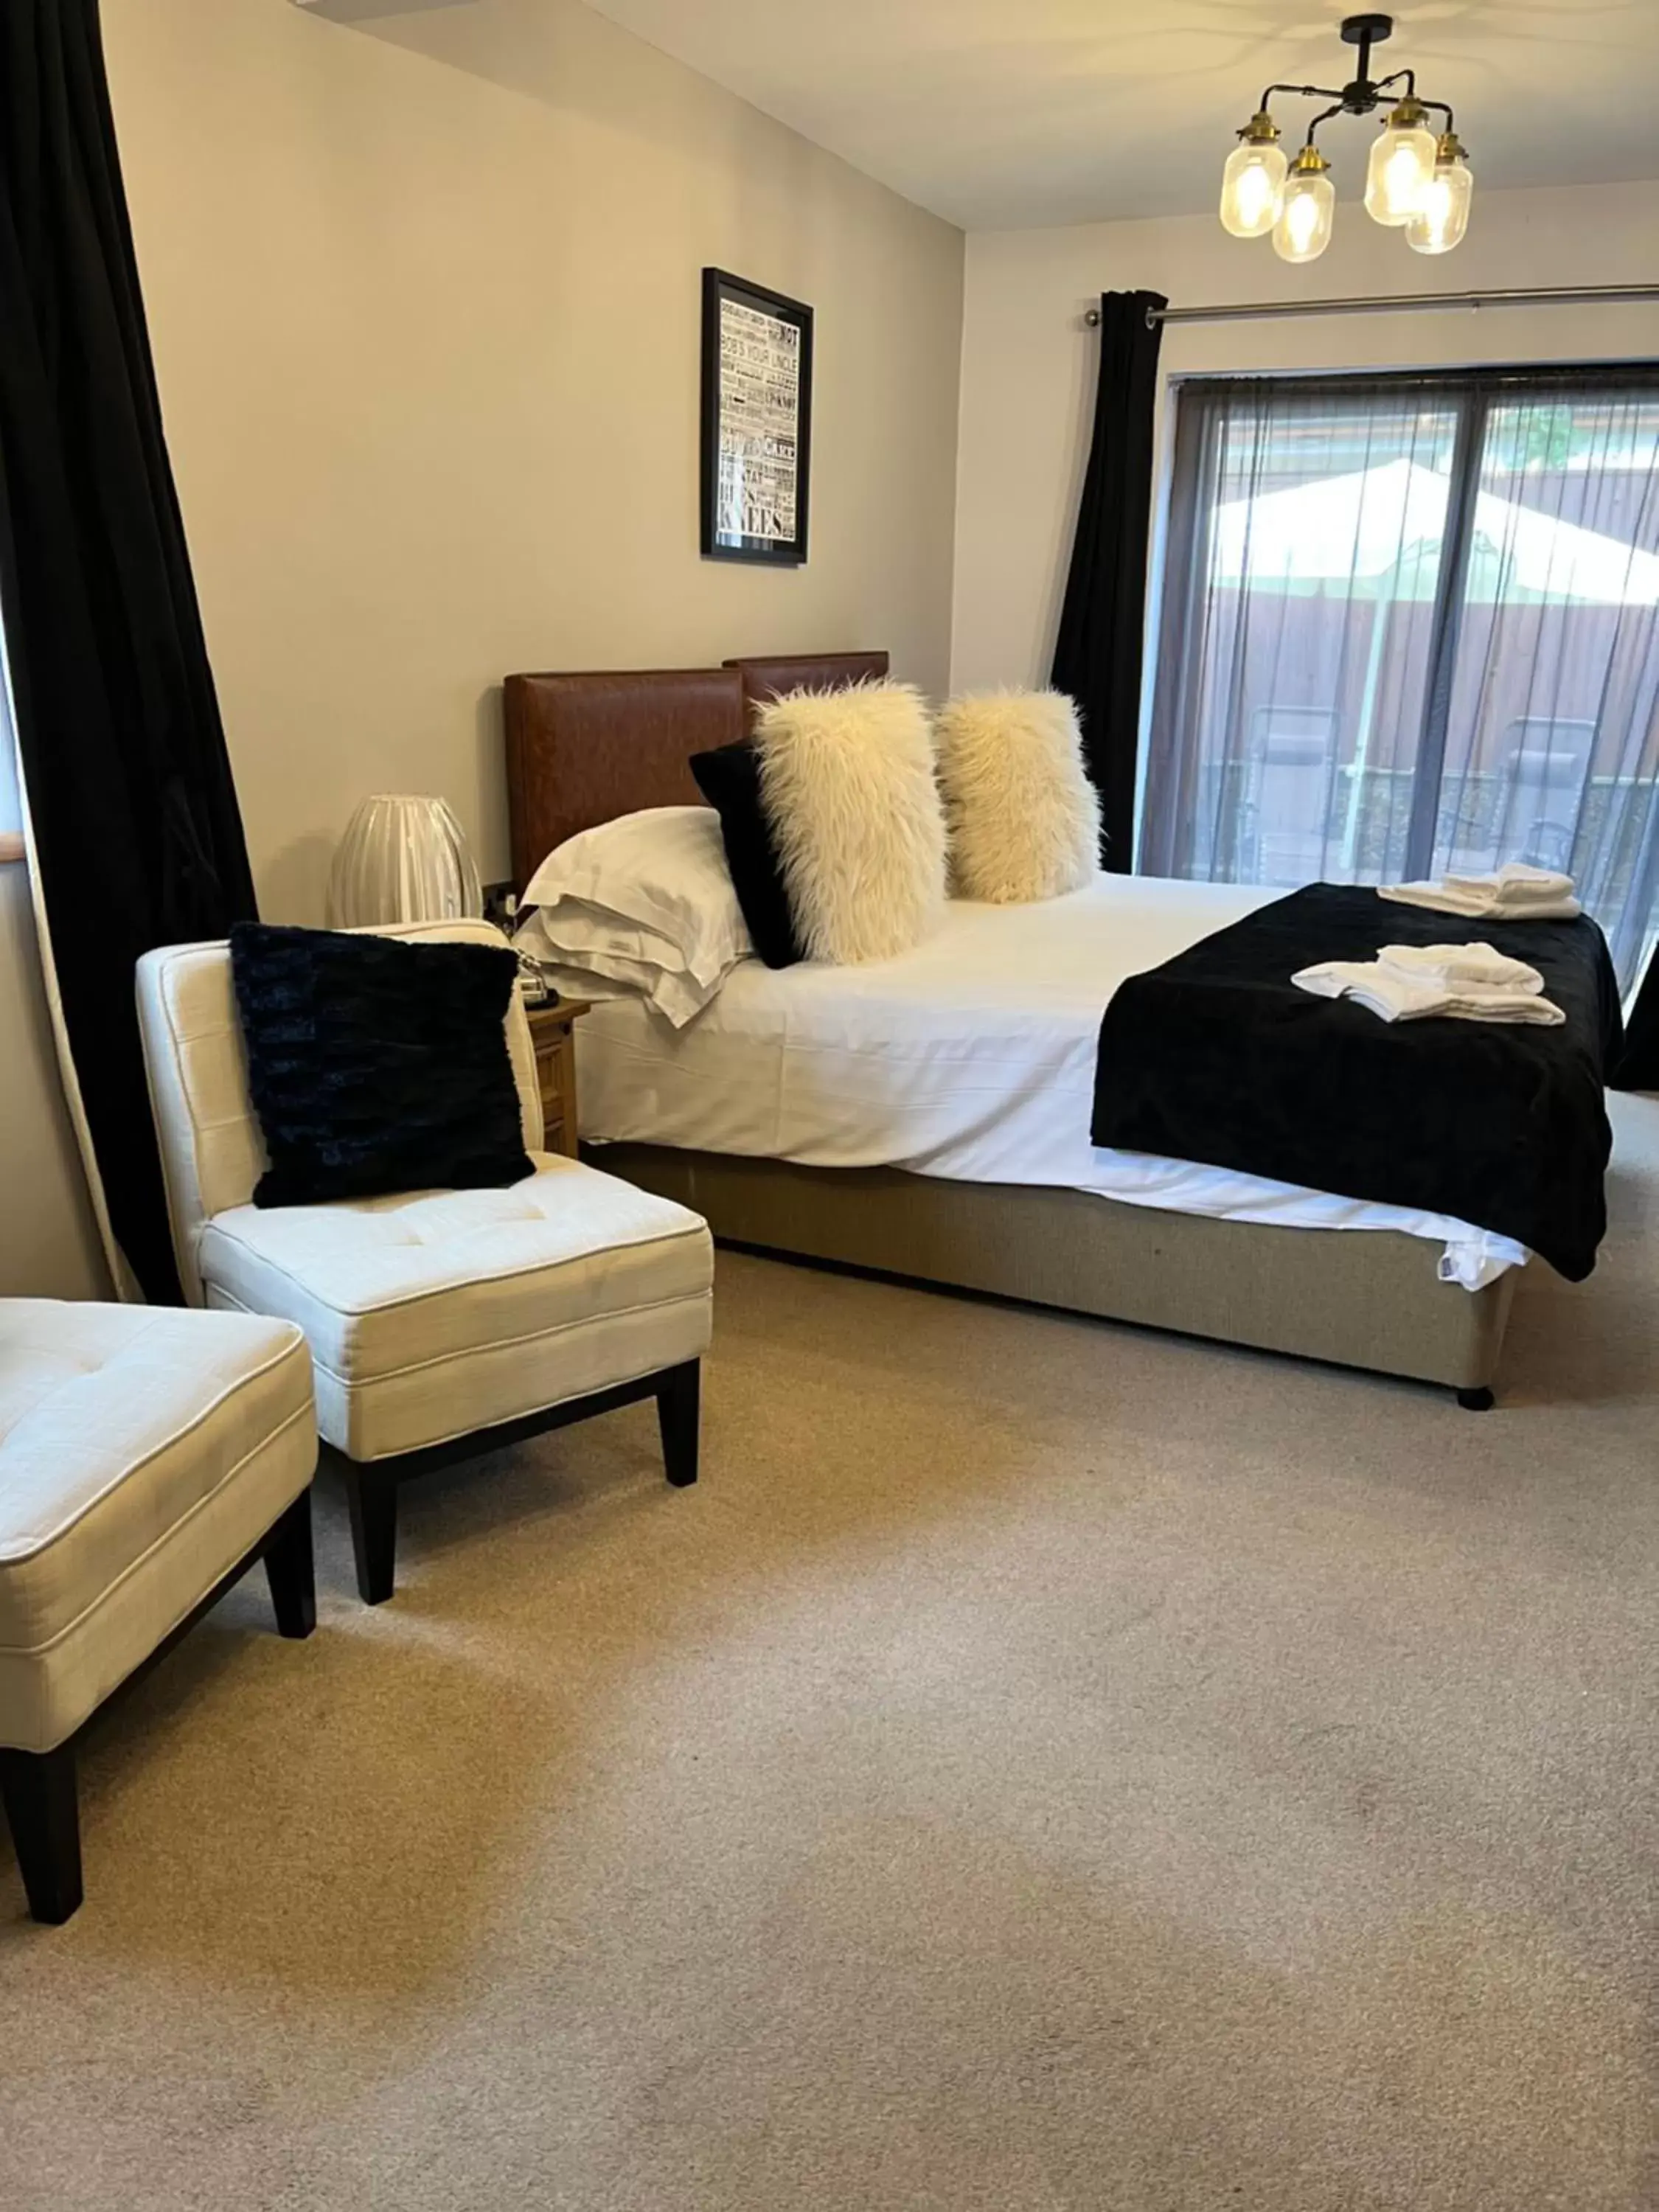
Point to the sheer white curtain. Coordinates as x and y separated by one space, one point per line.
11 804
16 850
1412 624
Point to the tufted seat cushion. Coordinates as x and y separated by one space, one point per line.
432 1314
143 1452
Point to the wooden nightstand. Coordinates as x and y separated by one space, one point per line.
550 1032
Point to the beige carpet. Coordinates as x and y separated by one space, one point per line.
1043 1765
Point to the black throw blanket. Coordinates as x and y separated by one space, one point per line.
1217 1056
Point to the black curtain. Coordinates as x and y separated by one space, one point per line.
1097 651
1638 1067
128 785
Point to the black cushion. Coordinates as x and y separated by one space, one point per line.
729 779
375 1066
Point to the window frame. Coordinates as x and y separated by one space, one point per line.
1472 390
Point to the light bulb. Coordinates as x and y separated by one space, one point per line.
1304 228
1253 182
1444 216
1400 166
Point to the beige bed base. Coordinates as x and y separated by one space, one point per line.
1366 1298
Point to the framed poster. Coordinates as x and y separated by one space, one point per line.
756 422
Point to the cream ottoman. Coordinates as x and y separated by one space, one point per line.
148 1458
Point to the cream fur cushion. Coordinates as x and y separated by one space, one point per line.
1025 819
846 780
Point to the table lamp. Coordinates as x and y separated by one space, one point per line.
404 858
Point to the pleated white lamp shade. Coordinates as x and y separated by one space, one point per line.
404 858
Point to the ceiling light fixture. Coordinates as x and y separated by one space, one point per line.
1416 180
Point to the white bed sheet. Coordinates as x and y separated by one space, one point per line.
971 1058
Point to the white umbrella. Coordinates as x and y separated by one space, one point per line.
1380 529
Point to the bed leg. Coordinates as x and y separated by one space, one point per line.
1475 1402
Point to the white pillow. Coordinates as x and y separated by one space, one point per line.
846 780
1024 819
604 964
652 886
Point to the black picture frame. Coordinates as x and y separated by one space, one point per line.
782 544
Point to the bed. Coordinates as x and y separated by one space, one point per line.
928 1117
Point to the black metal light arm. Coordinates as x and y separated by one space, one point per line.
1302 91
1357 99
1324 116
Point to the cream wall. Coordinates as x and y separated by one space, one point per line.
1028 362
424 299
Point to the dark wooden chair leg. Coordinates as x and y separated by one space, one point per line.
38 1789
372 1500
289 1571
678 1396
1475 1402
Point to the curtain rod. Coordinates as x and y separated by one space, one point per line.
1557 295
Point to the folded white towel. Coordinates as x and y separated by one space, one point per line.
1454 965
1439 898
1393 995
1516 879
1515 892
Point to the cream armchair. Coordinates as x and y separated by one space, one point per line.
443 1323
148 1458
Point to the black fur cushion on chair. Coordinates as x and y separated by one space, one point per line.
729 779
377 1065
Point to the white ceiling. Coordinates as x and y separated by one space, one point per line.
1008 112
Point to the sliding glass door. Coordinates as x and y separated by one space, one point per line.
1412 624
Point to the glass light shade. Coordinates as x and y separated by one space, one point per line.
1304 228
1252 185
1398 173
1443 216
401 859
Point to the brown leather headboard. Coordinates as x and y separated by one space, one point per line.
582 748
765 678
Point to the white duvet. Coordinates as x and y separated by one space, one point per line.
971 1058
